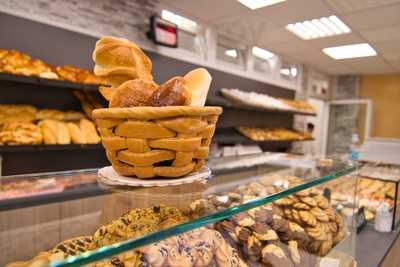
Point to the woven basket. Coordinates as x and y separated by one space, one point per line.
156 141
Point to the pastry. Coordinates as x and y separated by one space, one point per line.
308 218
89 131
63 136
319 214
74 246
49 114
309 201
72 115
294 252
24 133
77 137
301 206
274 256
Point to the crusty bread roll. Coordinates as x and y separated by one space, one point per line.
77 136
63 136
119 60
50 114
55 132
133 93
89 131
49 131
171 93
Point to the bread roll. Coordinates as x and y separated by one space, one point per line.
89 131
119 60
63 136
198 82
133 93
77 135
49 131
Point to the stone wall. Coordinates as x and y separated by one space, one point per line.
122 18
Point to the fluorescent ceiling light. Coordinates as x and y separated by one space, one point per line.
182 22
231 53
350 51
262 53
255 4
318 28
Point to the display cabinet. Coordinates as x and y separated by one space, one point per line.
271 214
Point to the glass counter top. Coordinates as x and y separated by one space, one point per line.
234 190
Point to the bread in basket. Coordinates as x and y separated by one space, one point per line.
152 130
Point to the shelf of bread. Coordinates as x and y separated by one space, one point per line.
45 184
257 101
16 66
241 219
28 125
233 136
273 134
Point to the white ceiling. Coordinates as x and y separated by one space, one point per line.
376 22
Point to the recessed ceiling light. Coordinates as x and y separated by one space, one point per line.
319 28
254 4
231 53
182 22
262 53
350 51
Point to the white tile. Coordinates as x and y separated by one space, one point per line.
382 34
346 6
375 18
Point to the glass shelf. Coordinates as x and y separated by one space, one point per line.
271 181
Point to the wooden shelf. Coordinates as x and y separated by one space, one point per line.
33 148
231 136
221 101
47 82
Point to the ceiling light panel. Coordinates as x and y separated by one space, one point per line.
350 51
319 28
255 4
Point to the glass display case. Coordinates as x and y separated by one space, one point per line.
270 214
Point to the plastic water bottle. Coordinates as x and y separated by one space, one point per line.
354 149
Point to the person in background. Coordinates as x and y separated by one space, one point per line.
309 146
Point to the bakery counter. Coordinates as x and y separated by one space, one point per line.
22 191
269 215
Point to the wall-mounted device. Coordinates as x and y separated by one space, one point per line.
163 32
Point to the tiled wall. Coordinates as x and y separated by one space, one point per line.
127 18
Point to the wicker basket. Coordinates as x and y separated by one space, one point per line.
156 141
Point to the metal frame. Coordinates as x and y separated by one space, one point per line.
327 109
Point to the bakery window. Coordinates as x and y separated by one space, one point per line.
228 53
189 32
289 71
192 42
